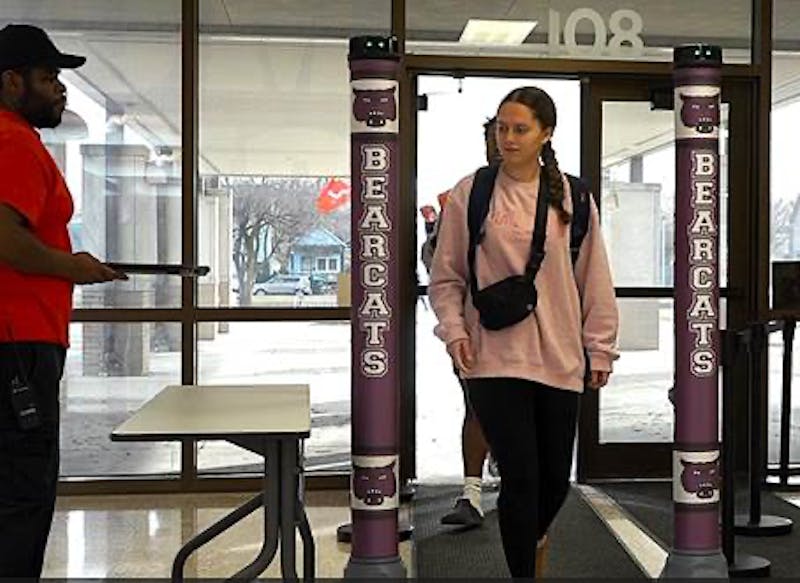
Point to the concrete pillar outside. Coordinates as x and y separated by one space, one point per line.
166 178
120 222
225 252
208 251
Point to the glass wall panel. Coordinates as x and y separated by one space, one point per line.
785 193
635 407
274 201
119 141
112 369
440 405
638 196
775 379
602 29
313 353
784 209
785 199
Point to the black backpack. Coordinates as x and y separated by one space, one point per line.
481 194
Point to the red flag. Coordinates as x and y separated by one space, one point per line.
335 194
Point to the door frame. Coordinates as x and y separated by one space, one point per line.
633 81
603 461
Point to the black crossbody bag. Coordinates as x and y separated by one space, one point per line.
511 300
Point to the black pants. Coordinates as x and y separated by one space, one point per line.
530 429
28 458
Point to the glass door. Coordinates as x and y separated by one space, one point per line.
626 429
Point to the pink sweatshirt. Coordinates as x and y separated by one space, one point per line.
547 346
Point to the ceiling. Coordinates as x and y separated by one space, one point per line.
274 95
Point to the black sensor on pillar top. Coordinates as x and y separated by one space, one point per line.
373 47
697 55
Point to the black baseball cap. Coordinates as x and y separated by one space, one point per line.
23 45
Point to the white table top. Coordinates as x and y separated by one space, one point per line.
220 411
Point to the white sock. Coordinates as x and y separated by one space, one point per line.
472 492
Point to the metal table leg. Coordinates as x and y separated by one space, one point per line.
271 516
211 532
268 499
309 551
308 543
289 501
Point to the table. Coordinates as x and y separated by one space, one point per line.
269 420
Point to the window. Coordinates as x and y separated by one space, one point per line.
638 193
111 370
316 353
784 204
119 141
275 139
119 148
635 405
274 110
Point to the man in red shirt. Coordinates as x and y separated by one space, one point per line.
37 272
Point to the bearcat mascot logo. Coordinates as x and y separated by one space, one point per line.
372 485
701 478
700 112
375 106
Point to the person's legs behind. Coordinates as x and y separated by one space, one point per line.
467 510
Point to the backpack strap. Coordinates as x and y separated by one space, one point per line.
479 197
478 209
578 228
579 225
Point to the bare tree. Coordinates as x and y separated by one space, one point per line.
784 223
338 223
269 215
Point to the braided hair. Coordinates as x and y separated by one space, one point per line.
543 109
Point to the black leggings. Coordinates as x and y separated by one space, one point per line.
530 428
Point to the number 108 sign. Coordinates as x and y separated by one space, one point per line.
621 36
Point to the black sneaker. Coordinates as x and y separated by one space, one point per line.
463 514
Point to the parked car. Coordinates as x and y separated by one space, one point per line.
284 284
323 283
